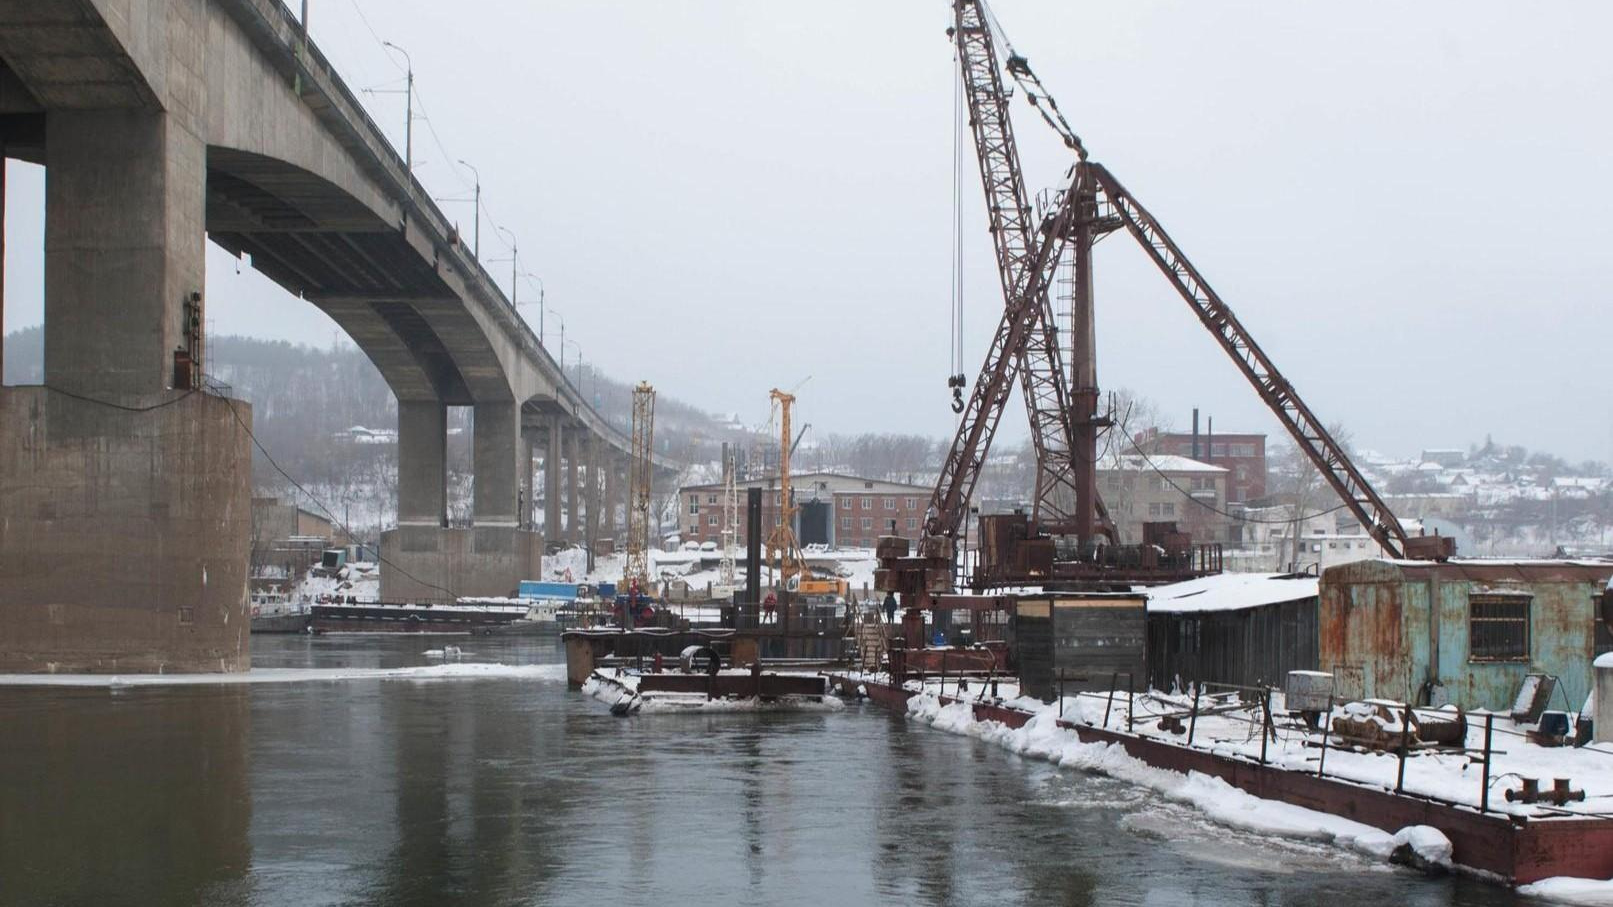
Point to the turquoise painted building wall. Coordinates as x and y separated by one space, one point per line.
1405 630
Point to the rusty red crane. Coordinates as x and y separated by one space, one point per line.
1065 422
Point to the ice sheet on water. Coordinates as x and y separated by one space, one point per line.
470 670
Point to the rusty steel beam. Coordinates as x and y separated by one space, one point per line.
1307 430
1059 501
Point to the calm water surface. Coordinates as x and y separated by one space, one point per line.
507 791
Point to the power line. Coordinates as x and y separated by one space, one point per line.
1211 507
215 390
321 504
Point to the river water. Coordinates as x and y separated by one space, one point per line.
517 791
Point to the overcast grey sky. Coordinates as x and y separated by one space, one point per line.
1405 203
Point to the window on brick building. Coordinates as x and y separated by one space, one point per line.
868 503
711 521
845 522
711 499
890 503
912 503
845 503
1498 626
912 522
1167 509
868 523
694 503
1153 509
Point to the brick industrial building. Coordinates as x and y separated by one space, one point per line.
834 509
1242 456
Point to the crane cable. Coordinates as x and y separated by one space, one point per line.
956 381
1019 68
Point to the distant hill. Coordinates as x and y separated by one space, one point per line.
305 400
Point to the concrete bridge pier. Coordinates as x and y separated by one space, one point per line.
124 502
552 528
425 560
573 494
422 464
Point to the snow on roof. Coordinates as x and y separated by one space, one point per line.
1231 592
1161 462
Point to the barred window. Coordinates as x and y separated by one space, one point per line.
1498 626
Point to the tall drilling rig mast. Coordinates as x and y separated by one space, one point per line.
783 549
640 470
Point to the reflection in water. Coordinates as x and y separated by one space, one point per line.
520 792
135 796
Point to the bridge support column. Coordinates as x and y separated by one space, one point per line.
552 529
596 493
426 562
573 496
124 535
527 455
496 443
125 221
422 463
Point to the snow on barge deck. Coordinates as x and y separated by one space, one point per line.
1516 843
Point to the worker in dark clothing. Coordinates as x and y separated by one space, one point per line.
890 607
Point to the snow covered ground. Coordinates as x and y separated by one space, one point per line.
1042 738
1451 777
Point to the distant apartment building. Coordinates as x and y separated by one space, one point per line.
833 509
1164 488
1242 456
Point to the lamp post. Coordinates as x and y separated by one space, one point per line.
408 106
476 247
562 341
539 303
514 261
578 347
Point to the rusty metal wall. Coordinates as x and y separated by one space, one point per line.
1248 647
1395 630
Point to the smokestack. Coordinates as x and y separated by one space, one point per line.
1209 439
1195 433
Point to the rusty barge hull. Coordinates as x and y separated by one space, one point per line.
1515 849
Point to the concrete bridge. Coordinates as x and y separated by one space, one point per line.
124 494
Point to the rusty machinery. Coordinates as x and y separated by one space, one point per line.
1064 417
637 572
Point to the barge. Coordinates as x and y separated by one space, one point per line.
465 617
1503 843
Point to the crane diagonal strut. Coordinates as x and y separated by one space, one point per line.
1308 432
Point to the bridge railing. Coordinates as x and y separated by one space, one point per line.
418 198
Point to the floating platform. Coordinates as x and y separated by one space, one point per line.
628 691
376 617
1514 848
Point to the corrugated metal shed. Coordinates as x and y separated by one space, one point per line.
1244 629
